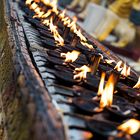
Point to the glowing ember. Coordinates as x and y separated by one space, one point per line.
107 95
137 84
101 85
81 73
70 56
130 127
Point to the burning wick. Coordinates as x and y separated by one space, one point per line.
137 84
70 56
107 93
130 127
81 73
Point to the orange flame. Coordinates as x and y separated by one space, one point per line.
70 56
130 127
120 67
137 84
101 85
107 95
125 71
59 40
81 73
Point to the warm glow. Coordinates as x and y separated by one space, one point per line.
87 45
70 56
109 61
59 40
80 35
107 95
101 85
62 14
87 135
137 84
118 66
33 6
81 73
130 127
47 14
28 2
51 3
125 71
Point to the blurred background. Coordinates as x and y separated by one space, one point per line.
115 23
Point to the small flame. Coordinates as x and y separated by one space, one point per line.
101 85
137 84
87 45
62 14
130 127
125 71
109 61
70 56
118 66
81 73
28 2
47 14
107 95
59 40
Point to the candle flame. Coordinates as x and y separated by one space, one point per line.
125 71
101 85
70 56
107 94
137 84
49 22
81 73
59 40
130 127
120 67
